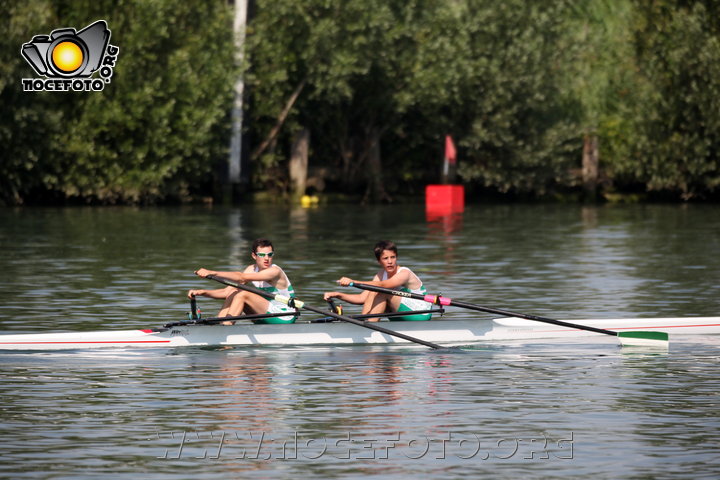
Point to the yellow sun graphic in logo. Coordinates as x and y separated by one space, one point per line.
67 56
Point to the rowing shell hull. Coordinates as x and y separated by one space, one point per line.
455 332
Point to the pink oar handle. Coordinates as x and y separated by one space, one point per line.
435 299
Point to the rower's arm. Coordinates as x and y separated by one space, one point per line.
269 275
353 298
239 277
396 281
219 293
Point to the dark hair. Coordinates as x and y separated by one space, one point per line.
261 242
383 245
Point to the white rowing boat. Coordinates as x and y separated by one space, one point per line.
441 331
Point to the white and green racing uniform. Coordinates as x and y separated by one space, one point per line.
412 304
276 306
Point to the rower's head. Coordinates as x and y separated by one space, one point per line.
262 252
383 245
386 254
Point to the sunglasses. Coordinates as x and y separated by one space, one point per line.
263 255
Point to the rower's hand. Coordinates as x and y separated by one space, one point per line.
328 295
345 281
203 272
195 293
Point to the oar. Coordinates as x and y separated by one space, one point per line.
216 320
625 338
298 304
388 315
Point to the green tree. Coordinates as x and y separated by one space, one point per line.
26 121
520 84
402 74
152 133
344 56
603 78
509 105
678 44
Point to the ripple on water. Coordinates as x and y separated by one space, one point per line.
510 410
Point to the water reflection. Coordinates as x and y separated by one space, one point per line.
299 224
106 409
444 223
239 245
128 267
445 229
630 414
603 268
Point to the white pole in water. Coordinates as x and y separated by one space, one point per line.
234 162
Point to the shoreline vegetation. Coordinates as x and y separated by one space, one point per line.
612 102
335 198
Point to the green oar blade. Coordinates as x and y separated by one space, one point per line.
638 338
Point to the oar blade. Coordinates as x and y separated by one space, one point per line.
644 339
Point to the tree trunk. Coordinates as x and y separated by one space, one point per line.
375 191
590 162
279 122
235 173
299 162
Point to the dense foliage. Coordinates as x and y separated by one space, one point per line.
151 134
678 52
519 84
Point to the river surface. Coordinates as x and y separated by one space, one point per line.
502 410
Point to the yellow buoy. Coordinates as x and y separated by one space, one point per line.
309 200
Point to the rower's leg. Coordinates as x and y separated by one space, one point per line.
247 302
394 302
229 296
375 303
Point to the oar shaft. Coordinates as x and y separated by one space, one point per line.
257 291
536 318
232 318
372 326
344 318
440 300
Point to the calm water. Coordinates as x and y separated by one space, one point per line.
511 410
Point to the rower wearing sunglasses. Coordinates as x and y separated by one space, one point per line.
264 275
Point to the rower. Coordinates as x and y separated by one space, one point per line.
391 276
264 275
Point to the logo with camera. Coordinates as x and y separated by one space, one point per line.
68 59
